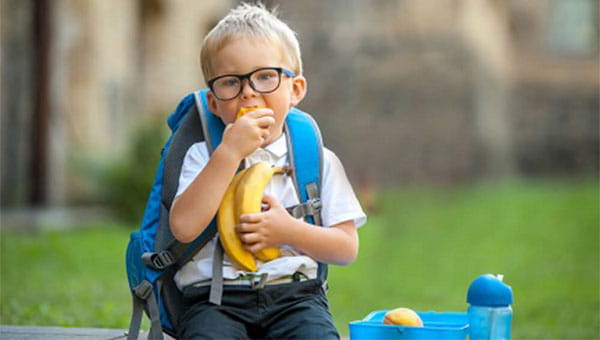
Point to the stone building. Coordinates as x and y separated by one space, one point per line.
451 90
405 90
79 75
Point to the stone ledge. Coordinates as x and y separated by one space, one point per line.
62 333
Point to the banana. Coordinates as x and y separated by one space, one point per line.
244 196
248 198
244 110
227 219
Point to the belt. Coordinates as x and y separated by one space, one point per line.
258 281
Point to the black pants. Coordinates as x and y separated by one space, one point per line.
297 310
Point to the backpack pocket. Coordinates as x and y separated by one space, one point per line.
135 267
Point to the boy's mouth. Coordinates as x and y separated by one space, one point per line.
243 110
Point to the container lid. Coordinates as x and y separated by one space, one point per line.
489 290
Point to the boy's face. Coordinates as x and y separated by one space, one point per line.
241 56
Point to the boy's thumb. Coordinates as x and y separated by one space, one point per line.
268 201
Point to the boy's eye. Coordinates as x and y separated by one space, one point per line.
229 82
266 76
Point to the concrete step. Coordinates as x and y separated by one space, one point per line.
63 333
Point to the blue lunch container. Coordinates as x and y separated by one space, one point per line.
436 325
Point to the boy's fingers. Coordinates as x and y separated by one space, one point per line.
269 201
249 238
254 248
265 122
244 229
250 218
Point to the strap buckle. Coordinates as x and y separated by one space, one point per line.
312 207
158 261
260 284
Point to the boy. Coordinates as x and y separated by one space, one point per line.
252 59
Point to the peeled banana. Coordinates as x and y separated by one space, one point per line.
226 222
248 198
244 196
243 110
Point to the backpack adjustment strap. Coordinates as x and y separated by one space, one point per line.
143 290
158 261
144 299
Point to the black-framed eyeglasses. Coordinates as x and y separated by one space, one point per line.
263 80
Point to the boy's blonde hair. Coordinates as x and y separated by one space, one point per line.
250 21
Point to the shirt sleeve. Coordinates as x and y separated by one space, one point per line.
339 202
194 162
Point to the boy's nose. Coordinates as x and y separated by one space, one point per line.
247 90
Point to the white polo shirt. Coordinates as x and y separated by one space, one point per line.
339 204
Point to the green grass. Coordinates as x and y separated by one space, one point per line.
424 247
75 278
421 250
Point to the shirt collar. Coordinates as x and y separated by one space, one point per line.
279 147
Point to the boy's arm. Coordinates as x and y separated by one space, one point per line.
193 210
337 244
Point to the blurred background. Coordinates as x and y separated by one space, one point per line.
469 129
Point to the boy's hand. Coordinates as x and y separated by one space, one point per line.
336 244
264 229
249 132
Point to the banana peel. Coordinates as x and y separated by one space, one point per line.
226 222
244 196
248 198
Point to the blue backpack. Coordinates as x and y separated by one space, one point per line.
154 255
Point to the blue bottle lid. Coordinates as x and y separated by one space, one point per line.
489 290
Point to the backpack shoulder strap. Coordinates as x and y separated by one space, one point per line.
191 122
212 131
212 125
305 148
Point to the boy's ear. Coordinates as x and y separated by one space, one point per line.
212 102
298 90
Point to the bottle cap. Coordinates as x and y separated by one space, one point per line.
489 290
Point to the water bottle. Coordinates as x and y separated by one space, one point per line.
490 314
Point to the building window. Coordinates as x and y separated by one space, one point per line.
573 27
